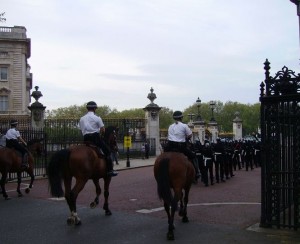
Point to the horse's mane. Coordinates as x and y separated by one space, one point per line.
35 140
108 131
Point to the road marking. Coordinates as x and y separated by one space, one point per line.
21 188
57 198
147 211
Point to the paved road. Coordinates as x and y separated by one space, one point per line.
224 213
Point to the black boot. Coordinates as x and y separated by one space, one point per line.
109 165
24 164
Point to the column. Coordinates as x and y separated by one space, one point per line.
37 110
237 127
152 121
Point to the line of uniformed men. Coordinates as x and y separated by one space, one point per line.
218 161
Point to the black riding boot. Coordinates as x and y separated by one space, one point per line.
24 164
109 165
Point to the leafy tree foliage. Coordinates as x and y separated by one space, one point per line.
222 113
75 112
165 117
225 113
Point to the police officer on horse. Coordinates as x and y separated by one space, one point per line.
92 128
178 136
13 139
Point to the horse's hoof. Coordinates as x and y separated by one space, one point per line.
185 219
77 222
170 236
20 195
70 221
93 205
7 198
108 212
27 190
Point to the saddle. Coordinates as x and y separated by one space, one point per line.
97 150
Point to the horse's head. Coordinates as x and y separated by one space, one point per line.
36 146
110 133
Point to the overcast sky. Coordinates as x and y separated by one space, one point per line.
114 51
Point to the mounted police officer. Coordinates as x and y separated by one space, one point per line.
178 136
13 139
92 128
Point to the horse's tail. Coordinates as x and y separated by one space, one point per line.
163 183
55 171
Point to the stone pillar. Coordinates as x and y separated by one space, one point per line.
237 127
199 126
213 129
152 121
37 110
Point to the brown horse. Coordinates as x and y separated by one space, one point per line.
10 162
83 163
173 170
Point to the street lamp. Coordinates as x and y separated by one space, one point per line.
198 104
212 105
127 140
297 2
191 117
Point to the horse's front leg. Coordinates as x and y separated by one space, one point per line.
106 195
98 192
2 183
19 184
31 174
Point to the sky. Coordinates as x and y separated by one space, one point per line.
114 51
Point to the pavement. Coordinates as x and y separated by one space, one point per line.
133 163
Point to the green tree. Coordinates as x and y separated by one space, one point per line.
165 118
223 113
75 112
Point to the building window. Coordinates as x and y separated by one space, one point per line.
3 54
3 73
3 103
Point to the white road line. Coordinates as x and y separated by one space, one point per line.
57 198
147 211
21 188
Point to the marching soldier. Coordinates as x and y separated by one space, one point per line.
208 158
219 152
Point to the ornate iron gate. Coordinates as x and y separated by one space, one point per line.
280 133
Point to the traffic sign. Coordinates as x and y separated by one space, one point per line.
127 141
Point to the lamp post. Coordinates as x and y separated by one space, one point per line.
212 105
190 124
191 117
198 104
127 140
297 2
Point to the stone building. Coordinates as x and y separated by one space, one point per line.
15 76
